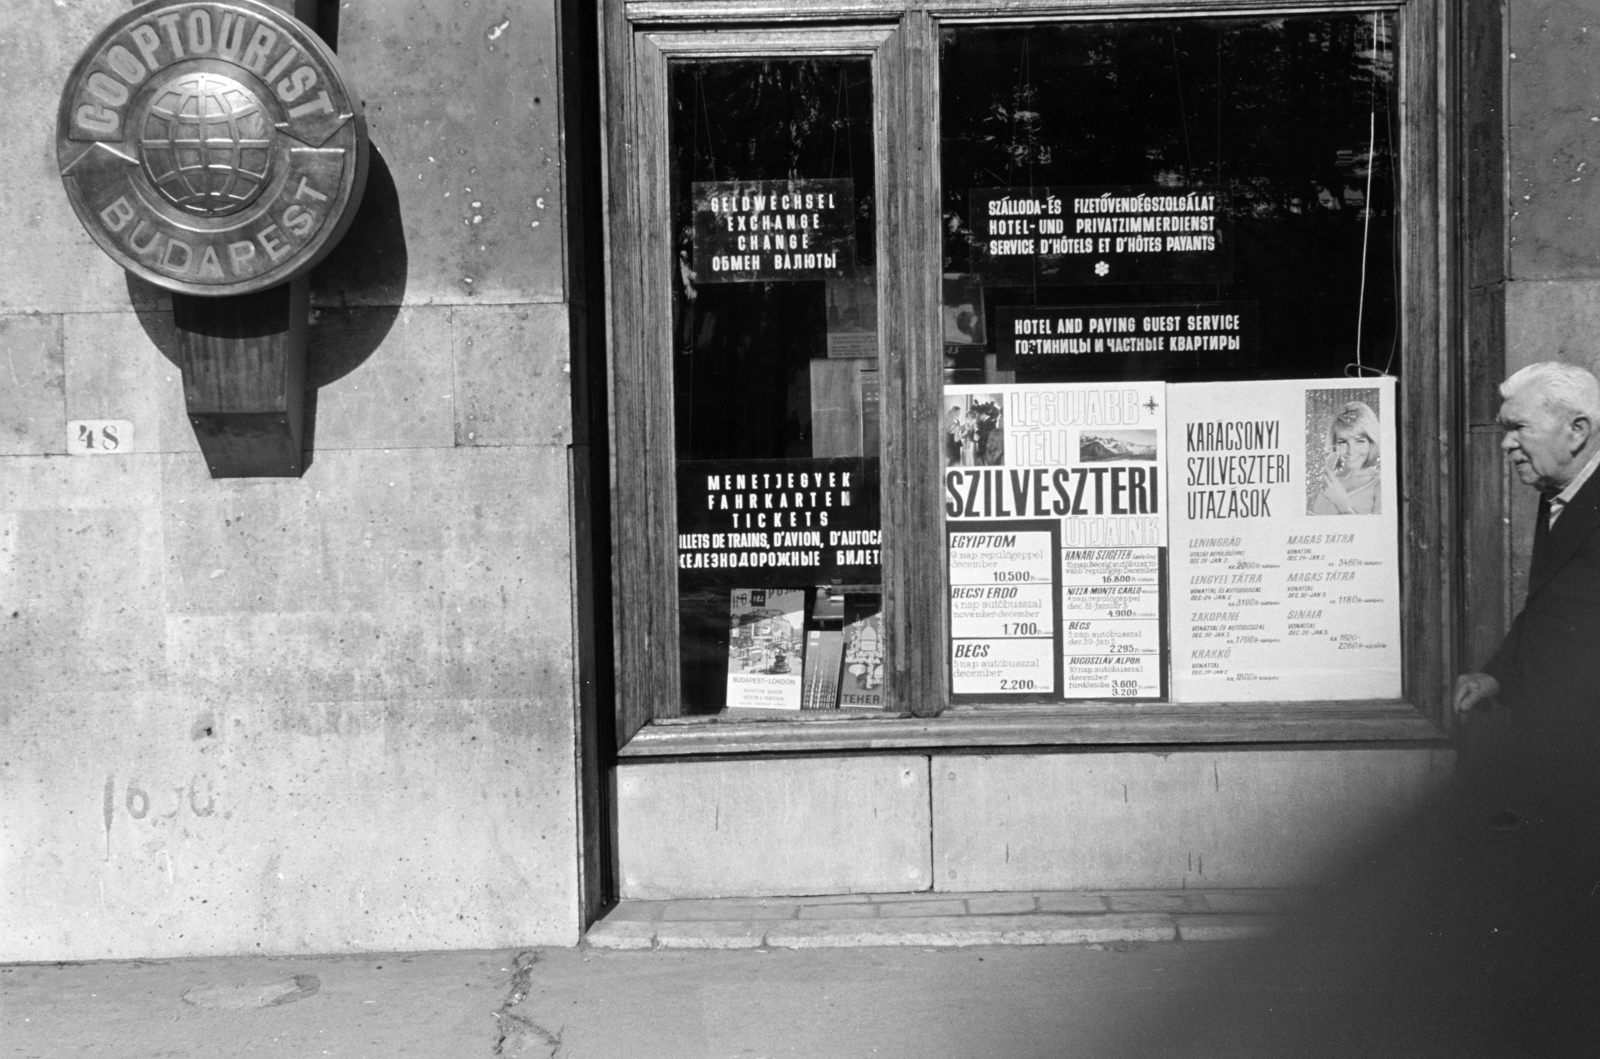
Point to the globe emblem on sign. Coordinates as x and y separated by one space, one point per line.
207 144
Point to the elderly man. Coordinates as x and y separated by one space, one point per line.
1547 672
1547 669
1548 666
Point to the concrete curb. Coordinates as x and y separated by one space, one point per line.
941 931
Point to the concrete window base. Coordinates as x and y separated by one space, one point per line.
1075 917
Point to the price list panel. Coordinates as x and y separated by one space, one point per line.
1005 610
1113 623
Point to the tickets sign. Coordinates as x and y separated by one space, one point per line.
771 523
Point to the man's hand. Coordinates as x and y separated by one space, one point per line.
1473 688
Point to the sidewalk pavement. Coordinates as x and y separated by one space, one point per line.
1121 975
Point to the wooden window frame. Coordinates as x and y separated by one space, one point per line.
902 41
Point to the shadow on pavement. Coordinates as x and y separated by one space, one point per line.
1469 931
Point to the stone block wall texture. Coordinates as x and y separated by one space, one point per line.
1553 143
1195 818
822 825
292 715
1095 820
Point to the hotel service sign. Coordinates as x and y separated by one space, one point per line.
211 148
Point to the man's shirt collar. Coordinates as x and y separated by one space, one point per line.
1563 498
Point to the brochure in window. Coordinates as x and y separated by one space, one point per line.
766 648
861 685
824 651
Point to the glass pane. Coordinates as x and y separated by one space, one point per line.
1286 126
775 355
1171 331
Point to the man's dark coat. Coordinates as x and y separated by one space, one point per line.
1548 665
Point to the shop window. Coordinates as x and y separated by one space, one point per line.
1144 223
1075 370
776 384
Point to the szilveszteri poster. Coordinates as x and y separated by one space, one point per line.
1285 574
776 523
1100 236
1055 503
748 231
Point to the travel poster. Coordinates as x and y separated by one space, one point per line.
1055 504
1285 550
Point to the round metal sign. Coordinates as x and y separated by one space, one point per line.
211 148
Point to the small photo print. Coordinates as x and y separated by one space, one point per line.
974 430
963 310
1344 457
852 301
1106 446
852 304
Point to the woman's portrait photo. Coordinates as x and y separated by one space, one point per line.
1343 453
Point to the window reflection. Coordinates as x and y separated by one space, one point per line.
1289 123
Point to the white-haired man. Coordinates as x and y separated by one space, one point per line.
1551 656
1547 669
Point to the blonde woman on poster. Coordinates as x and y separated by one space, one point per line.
1351 479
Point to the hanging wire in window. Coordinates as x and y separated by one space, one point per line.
1023 92
1366 202
1216 158
840 107
711 146
1394 244
1216 163
843 116
686 273
1183 111
1023 114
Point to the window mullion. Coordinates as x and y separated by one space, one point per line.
915 609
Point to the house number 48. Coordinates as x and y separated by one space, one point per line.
99 437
